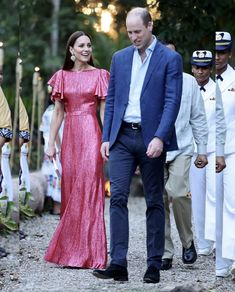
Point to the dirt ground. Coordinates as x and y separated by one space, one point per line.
25 270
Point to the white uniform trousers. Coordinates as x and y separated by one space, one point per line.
228 239
198 187
221 263
210 204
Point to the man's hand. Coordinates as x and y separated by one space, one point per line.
219 164
155 148
104 150
201 161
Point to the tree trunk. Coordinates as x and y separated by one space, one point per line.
55 28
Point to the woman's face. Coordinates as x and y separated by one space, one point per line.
82 49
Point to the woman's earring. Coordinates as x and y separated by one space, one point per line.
73 58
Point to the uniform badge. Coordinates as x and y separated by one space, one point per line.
201 55
219 36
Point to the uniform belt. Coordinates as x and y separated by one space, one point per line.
133 126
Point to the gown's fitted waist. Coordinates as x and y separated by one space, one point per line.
81 112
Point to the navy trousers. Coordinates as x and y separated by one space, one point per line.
128 152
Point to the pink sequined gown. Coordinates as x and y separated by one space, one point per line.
80 238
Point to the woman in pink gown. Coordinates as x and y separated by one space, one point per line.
80 239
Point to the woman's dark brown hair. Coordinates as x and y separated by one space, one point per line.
68 63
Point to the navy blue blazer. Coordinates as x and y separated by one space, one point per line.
160 96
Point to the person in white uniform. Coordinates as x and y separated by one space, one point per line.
225 200
202 181
53 181
190 125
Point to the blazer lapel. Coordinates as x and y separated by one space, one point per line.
127 66
154 62
126 71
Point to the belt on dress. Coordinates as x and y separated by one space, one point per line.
80 113
133 126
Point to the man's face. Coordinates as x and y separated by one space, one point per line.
221 60
138 33
201 74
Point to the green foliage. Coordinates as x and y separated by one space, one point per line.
8 224
192 24
6 208
9 35
189 24
25 210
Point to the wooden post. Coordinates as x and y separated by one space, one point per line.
19 73
1 55
41 97
35 92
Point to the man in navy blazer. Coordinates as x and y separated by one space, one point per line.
141 108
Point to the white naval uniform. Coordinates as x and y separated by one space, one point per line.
225 201
202 181
220 143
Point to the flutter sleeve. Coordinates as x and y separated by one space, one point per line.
56 83
102 84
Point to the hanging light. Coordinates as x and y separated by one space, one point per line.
106 21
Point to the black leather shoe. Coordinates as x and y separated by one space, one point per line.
166 264
152 275
3 253
116 272
22 235
189 255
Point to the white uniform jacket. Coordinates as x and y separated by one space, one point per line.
227 88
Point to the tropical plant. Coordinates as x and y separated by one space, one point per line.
25 209
6 208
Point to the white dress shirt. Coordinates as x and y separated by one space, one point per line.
139 69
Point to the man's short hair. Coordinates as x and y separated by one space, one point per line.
146 17
143 13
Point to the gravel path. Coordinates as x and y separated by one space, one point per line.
25 270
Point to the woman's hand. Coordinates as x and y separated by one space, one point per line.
51 152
